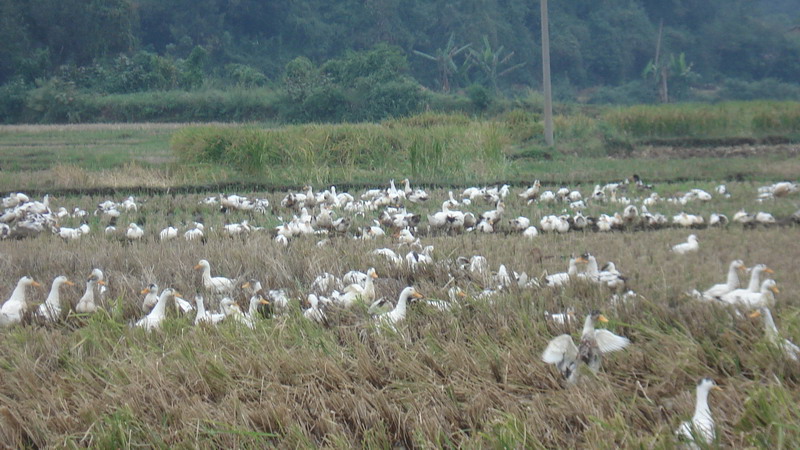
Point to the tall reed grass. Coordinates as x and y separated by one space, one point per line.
429 147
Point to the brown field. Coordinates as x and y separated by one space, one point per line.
470 377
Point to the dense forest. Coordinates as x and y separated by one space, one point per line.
309 57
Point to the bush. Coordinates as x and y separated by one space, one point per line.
768 89
523 125
361 86
479 96
244 75
182 106
193 68
634 92
324 104
54 101
395 98
13 96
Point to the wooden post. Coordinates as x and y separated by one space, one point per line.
548 93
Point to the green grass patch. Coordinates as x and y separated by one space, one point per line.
426 148
92 147
732 119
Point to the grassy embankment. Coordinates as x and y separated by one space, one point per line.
593 145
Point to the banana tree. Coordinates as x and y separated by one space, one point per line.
445 61
661 71
490 62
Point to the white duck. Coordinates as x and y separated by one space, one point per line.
255 301
530 232
765 296
610 276
195 233
325 283
87 304
314 312
788 347
168 233
366 289
754 285
755 276
532 193
700 430
150 297
691 245
134 232
405 236
231 309
563 353
391 318
73 233
561 279
205 316
219 285
50 310
564 318
15 307
153 320
731 283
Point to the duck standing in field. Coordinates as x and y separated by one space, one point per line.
232 310
788 347
153 320
150 297
315 311
87 304
764 297
259 299
219 285
690 246
700 430
15 307
391 318
205 316
561 279
50 310
730 284
563 353
134 232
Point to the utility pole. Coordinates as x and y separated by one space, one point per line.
548 92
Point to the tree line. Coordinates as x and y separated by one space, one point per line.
610 50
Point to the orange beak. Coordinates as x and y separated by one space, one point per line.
145 291
602 318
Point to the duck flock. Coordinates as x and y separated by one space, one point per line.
390 214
